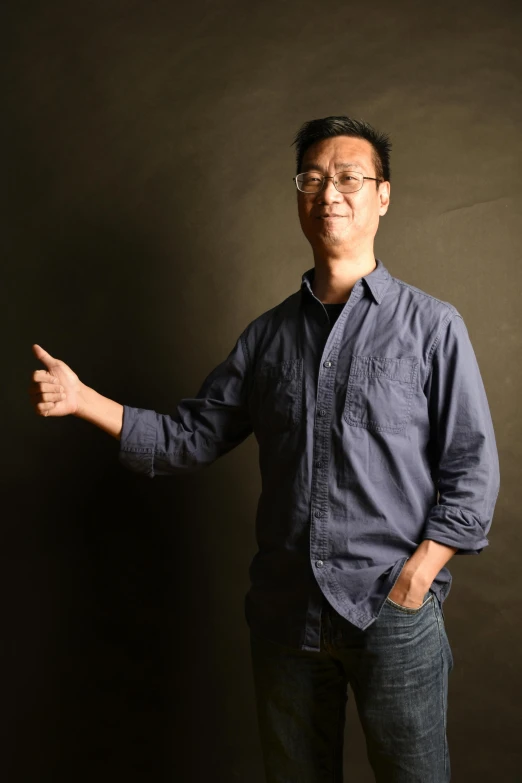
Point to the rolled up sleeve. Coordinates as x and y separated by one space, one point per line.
464 447
202 429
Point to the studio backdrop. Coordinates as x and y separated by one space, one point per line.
150 216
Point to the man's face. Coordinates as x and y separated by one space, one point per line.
340 221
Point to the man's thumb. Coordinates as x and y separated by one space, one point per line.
44 357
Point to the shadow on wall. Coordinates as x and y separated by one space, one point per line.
114 574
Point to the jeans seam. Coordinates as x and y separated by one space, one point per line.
443 695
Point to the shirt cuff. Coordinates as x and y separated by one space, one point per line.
138 440
456 527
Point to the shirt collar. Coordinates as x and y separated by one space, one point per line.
376 281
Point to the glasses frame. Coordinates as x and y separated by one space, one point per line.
315 192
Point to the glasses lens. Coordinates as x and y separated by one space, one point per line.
345 181
348 181
309 182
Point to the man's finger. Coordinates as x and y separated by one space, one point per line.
44 408
37 388
44 356
40 376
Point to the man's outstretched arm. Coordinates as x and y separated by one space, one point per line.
200 430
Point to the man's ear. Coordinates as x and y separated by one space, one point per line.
384 197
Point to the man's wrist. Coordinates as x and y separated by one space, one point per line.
426 562
99 410
414 576
85 398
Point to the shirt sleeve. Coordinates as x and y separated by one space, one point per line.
202 429
465 452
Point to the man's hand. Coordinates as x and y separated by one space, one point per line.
419 571
55 391
58 391
408 590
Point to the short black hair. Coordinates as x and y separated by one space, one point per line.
326 128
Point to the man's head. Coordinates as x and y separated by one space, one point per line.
337 222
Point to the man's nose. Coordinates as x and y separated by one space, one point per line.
329 193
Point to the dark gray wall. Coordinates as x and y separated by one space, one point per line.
150 215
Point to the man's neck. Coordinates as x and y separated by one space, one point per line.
335 278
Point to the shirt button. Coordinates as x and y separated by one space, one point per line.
318 464
319 563
328 364
318 513
322 413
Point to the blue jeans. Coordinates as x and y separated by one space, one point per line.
398 671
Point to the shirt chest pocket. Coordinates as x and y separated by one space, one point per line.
277 395
379 392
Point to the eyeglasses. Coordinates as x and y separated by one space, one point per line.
344 181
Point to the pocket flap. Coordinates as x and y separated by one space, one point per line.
287 370
396 369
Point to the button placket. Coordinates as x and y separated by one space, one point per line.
325 403
322 437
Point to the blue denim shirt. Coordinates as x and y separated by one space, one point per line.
373 436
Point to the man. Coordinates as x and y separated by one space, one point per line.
378 462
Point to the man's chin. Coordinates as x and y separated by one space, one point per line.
332 237
329 239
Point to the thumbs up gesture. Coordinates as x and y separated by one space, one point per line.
56 390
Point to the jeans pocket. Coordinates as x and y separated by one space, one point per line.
408 609
379 392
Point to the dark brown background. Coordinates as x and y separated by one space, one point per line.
150 216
